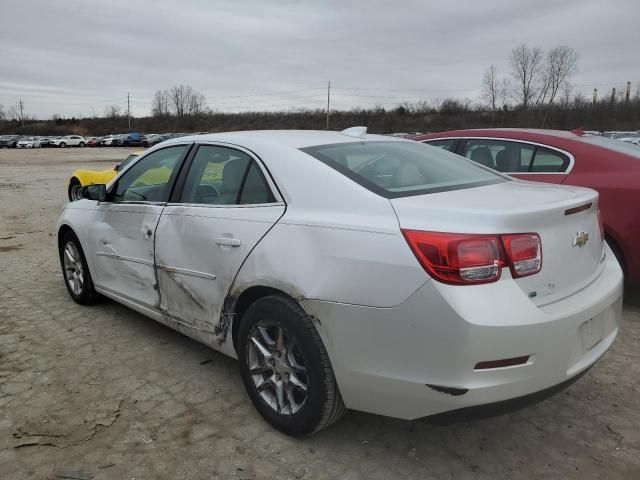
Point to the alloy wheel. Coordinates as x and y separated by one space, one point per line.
277 368
73 270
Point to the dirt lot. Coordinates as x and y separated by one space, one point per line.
102 392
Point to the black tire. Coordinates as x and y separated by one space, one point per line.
87 294
63 145
323 404
75 190
81 144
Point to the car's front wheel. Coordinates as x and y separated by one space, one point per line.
286 369
76 273
63 145
75 190
81 145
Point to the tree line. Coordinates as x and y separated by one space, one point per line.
535 93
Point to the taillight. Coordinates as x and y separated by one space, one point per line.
471 259
524 252
457 258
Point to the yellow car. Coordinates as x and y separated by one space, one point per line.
82 178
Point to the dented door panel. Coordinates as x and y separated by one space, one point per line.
122 237
199 250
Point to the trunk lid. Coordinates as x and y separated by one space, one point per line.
572 246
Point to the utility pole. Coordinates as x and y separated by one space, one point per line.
129 110
595 96
21 104
328 102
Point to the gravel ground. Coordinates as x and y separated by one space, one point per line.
103 392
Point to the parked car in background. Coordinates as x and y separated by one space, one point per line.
151 141
387 276
129 140
69 141
9 141
609 166
81 178
108 141
29 142
45 141
94 141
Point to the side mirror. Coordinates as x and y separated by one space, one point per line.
117 168
95 192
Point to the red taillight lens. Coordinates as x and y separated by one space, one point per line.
524 252
457 258
467 259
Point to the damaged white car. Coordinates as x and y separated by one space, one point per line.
347 270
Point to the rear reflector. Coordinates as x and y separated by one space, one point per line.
508 362
579 209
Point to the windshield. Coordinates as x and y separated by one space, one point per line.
399 169
615 145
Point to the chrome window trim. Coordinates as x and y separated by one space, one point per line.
572 159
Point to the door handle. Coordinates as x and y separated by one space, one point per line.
232 242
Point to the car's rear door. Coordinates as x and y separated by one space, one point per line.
122 233
223 205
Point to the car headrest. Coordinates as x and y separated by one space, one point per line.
482 155
506 161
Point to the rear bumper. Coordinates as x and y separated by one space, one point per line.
384 359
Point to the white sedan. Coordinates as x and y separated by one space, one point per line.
347 270
29 142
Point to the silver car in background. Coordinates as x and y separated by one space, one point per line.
347 270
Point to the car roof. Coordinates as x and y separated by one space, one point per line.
292 138
521 133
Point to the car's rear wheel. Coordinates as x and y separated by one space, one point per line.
286 369
75 190
76 273
81 144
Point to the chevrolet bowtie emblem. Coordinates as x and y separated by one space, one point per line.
581 239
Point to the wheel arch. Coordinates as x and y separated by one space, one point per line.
237 304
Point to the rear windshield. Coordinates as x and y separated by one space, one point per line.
401 169
615 145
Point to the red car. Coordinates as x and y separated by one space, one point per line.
609 166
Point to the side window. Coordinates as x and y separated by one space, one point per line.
445 143
503 156
224 176
148 180
549 161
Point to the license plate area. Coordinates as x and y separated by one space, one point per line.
592 333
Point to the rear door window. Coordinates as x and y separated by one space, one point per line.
546 160
503 156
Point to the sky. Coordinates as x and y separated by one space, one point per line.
76 57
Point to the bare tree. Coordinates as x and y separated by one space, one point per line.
184 101
490 86
112 111
526 67
561 63
160 105
3 115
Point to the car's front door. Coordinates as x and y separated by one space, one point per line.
122 233
223 205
